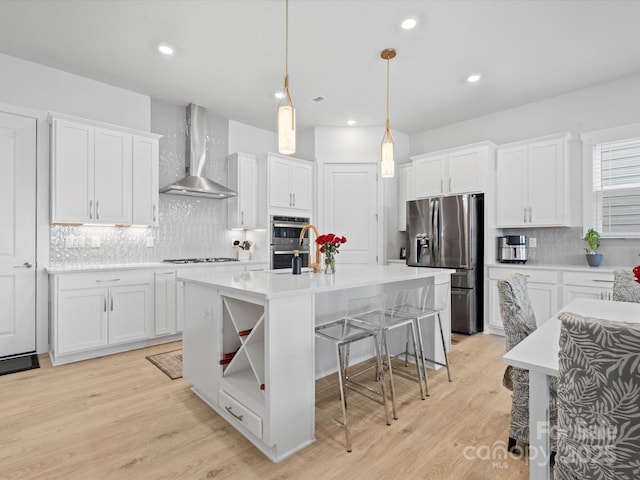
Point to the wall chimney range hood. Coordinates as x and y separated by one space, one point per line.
195 184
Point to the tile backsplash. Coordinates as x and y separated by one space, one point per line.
565 246
188 226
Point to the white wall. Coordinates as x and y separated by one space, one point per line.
32 85
362 145
601 106
247 139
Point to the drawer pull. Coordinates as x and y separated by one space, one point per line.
112 280
603 281
230 410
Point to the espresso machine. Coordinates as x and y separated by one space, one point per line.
513 249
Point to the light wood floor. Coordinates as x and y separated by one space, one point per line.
119 417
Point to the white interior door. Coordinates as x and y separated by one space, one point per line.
17 234
350 197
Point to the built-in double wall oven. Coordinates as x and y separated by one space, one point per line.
285 238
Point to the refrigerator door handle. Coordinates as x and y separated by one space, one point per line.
436 227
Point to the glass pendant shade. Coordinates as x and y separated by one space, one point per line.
386 157
286 123
387 163
286 111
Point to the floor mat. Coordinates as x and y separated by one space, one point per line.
169 362
18 364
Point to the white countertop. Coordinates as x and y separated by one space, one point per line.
557 267
143 266
278 283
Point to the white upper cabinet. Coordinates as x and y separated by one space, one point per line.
101 174
243 178
145 180
405 193
454 171
533 184
290 185
72 172
112 177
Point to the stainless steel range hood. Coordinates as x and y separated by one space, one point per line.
195 184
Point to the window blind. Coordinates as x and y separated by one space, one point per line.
616 186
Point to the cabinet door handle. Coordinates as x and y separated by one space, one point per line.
441 186
241 218
524 215
294 199
230 410
97 209
111 297
104 297
154 213
530 215
449 185
90 209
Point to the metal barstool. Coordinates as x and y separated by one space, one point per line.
424 304
372 313
342 333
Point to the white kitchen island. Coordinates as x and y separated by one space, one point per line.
249 344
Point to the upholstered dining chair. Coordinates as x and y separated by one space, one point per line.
519 321
625 287
598 399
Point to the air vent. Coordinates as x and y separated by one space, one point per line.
318 99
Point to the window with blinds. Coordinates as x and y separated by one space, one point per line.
616 187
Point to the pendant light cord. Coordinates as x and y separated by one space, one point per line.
286 41
388 93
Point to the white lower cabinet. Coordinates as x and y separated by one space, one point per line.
165 302
85 320
549 290
597 285
543 292
94 314
239 362
130 312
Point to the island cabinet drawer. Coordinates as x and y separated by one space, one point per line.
239 414
588 279
533 275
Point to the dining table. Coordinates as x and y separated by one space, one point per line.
538 353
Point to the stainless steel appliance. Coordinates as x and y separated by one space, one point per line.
513 249
447 232
194 183
179 261
285 238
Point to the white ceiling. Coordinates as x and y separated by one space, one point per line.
230 53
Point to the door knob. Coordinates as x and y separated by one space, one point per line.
24 265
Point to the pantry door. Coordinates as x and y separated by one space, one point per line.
17 234
350 207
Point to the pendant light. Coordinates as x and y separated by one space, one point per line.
286 111
386 163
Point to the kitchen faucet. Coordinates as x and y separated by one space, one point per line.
316 264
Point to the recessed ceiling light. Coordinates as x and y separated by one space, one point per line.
165 49
409 23
474 78
351 122
279 95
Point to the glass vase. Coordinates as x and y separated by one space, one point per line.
329 264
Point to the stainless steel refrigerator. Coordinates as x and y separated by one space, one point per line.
447 232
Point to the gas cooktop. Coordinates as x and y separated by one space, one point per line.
201 260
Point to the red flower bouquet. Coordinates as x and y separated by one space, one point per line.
329 245
636 273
